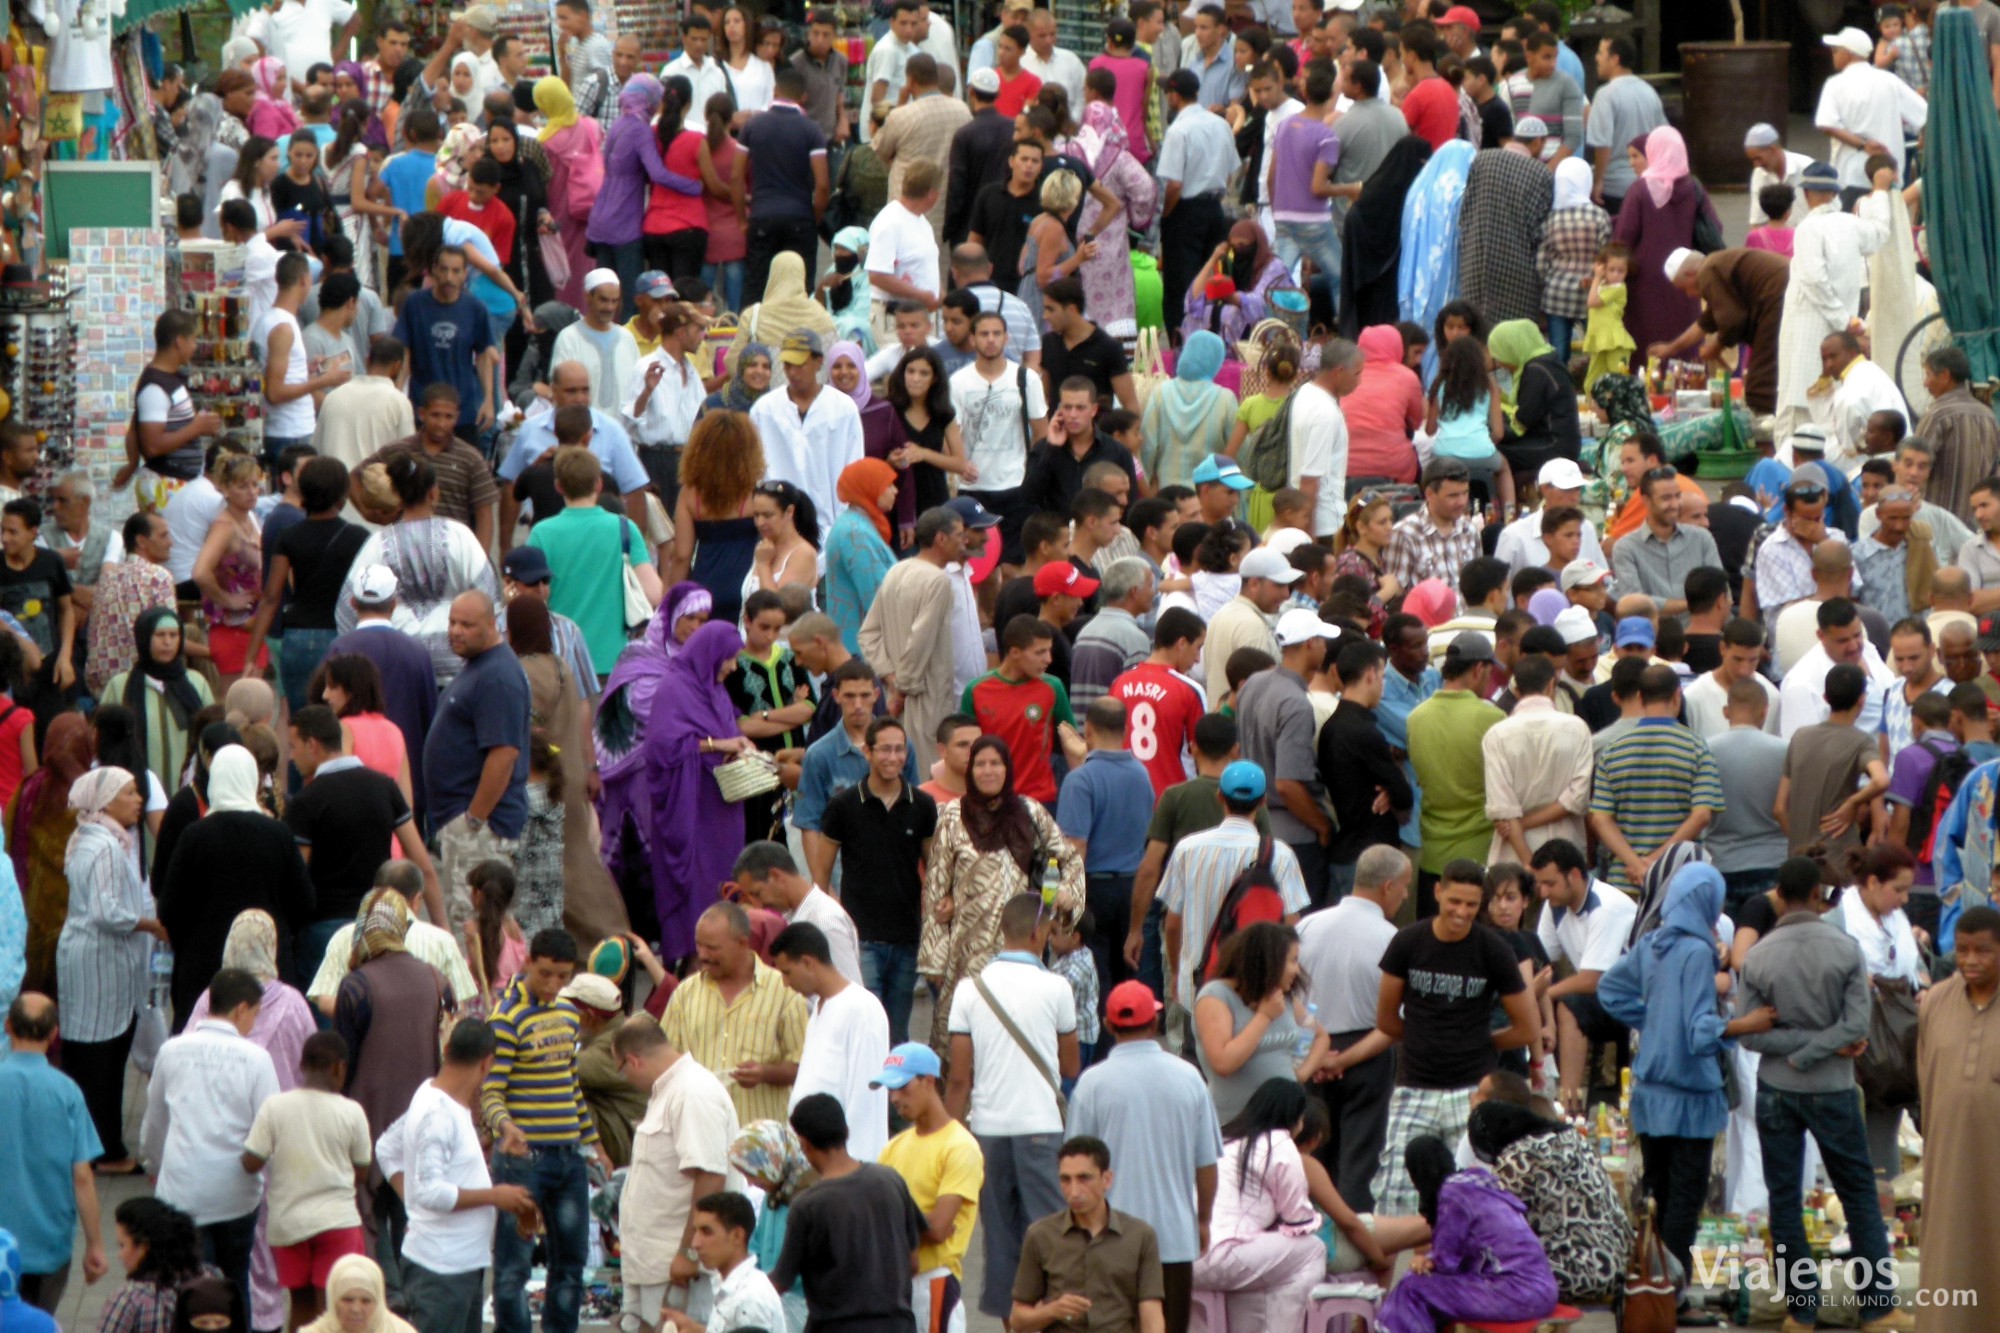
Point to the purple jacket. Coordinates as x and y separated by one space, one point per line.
631 160
1488 1264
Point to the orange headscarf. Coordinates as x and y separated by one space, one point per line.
861 484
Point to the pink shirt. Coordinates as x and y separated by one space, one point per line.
1275 1198
1778 240
1383 411
1130 98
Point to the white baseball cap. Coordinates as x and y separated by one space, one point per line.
1265 563
1561 473
1581 573
1851 40
376 586
1298 625
1576 626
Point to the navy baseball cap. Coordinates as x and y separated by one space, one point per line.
526 564
975 514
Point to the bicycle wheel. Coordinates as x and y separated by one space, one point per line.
1929 333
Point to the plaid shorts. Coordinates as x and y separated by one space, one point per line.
1414 1112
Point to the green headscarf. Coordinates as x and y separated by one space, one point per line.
1514 344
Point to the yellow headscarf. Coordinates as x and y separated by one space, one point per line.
787 308
558 108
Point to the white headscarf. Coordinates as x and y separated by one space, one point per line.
1573 183
96 789
232 781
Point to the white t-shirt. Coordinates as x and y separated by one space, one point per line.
1009 1096
292 420
300 33
901 245
752 86
190 513
746 1299
1593 939
847 1043
436 1148
822 909
1319 449
80 62
1705 701
312 1142
990 419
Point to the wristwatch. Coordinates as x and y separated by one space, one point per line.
474 822
691 1255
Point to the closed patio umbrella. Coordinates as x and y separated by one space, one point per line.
1962 190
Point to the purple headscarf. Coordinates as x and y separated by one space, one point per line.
850 350
641 96
1546 605
691 852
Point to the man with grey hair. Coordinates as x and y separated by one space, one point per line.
1114 641
85 547
1319 435
1340 951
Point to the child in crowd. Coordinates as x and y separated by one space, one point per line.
913 329
1465 419
1415 343
314 1140
1074 963
1877 475
1604 336
299 193
1291 520
1510 887
1123 427
538 861
497 949
1281 373
1776 233
1216 560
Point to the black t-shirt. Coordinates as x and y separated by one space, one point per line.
1449 990
30 595
1704 653
345 820
1100 358
881 848
1598 707
1017 598
536 488
1496 123
849 1239
1002 222
320 551
1759 913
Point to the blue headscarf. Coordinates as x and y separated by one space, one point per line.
1769 477
1201 358
1694 903
10 1266
1427 271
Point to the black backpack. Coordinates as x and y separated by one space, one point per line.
1252 897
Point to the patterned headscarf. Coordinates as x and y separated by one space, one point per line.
95 790
1623 398
269 74
252 944
379 929
1102 138
641 96
454 157
770 1150
1674 857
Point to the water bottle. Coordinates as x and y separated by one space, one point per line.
1051 884
162 969
1303 1046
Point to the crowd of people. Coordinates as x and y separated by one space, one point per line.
531 809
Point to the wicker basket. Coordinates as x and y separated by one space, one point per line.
750 774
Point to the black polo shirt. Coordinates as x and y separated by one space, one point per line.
1099 358
1353 761
881 849
1054 476
782 143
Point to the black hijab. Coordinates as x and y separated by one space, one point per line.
208 1296
179 691
1375 222
1497 1126
1001 823
1429 1161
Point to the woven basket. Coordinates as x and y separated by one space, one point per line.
747 775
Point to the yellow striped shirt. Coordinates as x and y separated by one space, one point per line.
765 1025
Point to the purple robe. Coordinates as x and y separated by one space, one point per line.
1489 1266
621 723
1655 309
695 834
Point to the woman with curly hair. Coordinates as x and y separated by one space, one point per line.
159 1249
1362 543
715 534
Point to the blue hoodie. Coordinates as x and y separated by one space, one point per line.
1665 987
16 1315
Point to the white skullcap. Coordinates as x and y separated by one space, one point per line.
1760 135
599 277
1675 262
1576 625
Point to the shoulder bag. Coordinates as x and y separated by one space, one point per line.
1021 1040
638 611
1648 1302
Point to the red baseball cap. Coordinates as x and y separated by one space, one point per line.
1061 578
1132 1004
1461 15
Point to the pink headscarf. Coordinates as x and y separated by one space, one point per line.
1666 162
1103 136
272 116
1432 601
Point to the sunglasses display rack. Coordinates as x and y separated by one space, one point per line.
225 376
38 359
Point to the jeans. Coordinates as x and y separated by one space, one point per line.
678 254
1108 895
769 239
889 972
227 1245
1313 866
1834 1120
45 1291
1152 952
1317 241
299 653
1562 329
556 1176
1740 886
446 1302
310 948
1339 880
725 280
1677 1182
1188 236
98 1067
1020 1189
386 1222
663 468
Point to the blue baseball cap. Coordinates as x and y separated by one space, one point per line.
975 514
911 1060
1221 468
1820 177
1243 781
1634 632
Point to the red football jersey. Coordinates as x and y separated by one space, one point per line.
1161 708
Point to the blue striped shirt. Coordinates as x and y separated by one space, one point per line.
1649 780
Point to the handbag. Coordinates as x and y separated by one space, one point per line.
1149 364
1887 1068
555 259
752 773
1708 237
1021 1040
1647 1303
638 611
1251 351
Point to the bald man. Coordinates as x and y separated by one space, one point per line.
568 386
1951 602
737 1017
46 1152
476 756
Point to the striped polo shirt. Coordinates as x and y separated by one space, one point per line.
533 1082
1649 779
764 1024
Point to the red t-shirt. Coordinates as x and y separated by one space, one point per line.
1016 92
1161 708
14 719
1023 713
1431 108
496 220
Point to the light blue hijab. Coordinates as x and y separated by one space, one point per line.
1694 904
1201 358
1427 273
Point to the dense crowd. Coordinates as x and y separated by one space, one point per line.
516 819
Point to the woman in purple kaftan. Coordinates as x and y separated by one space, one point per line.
1485 1263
